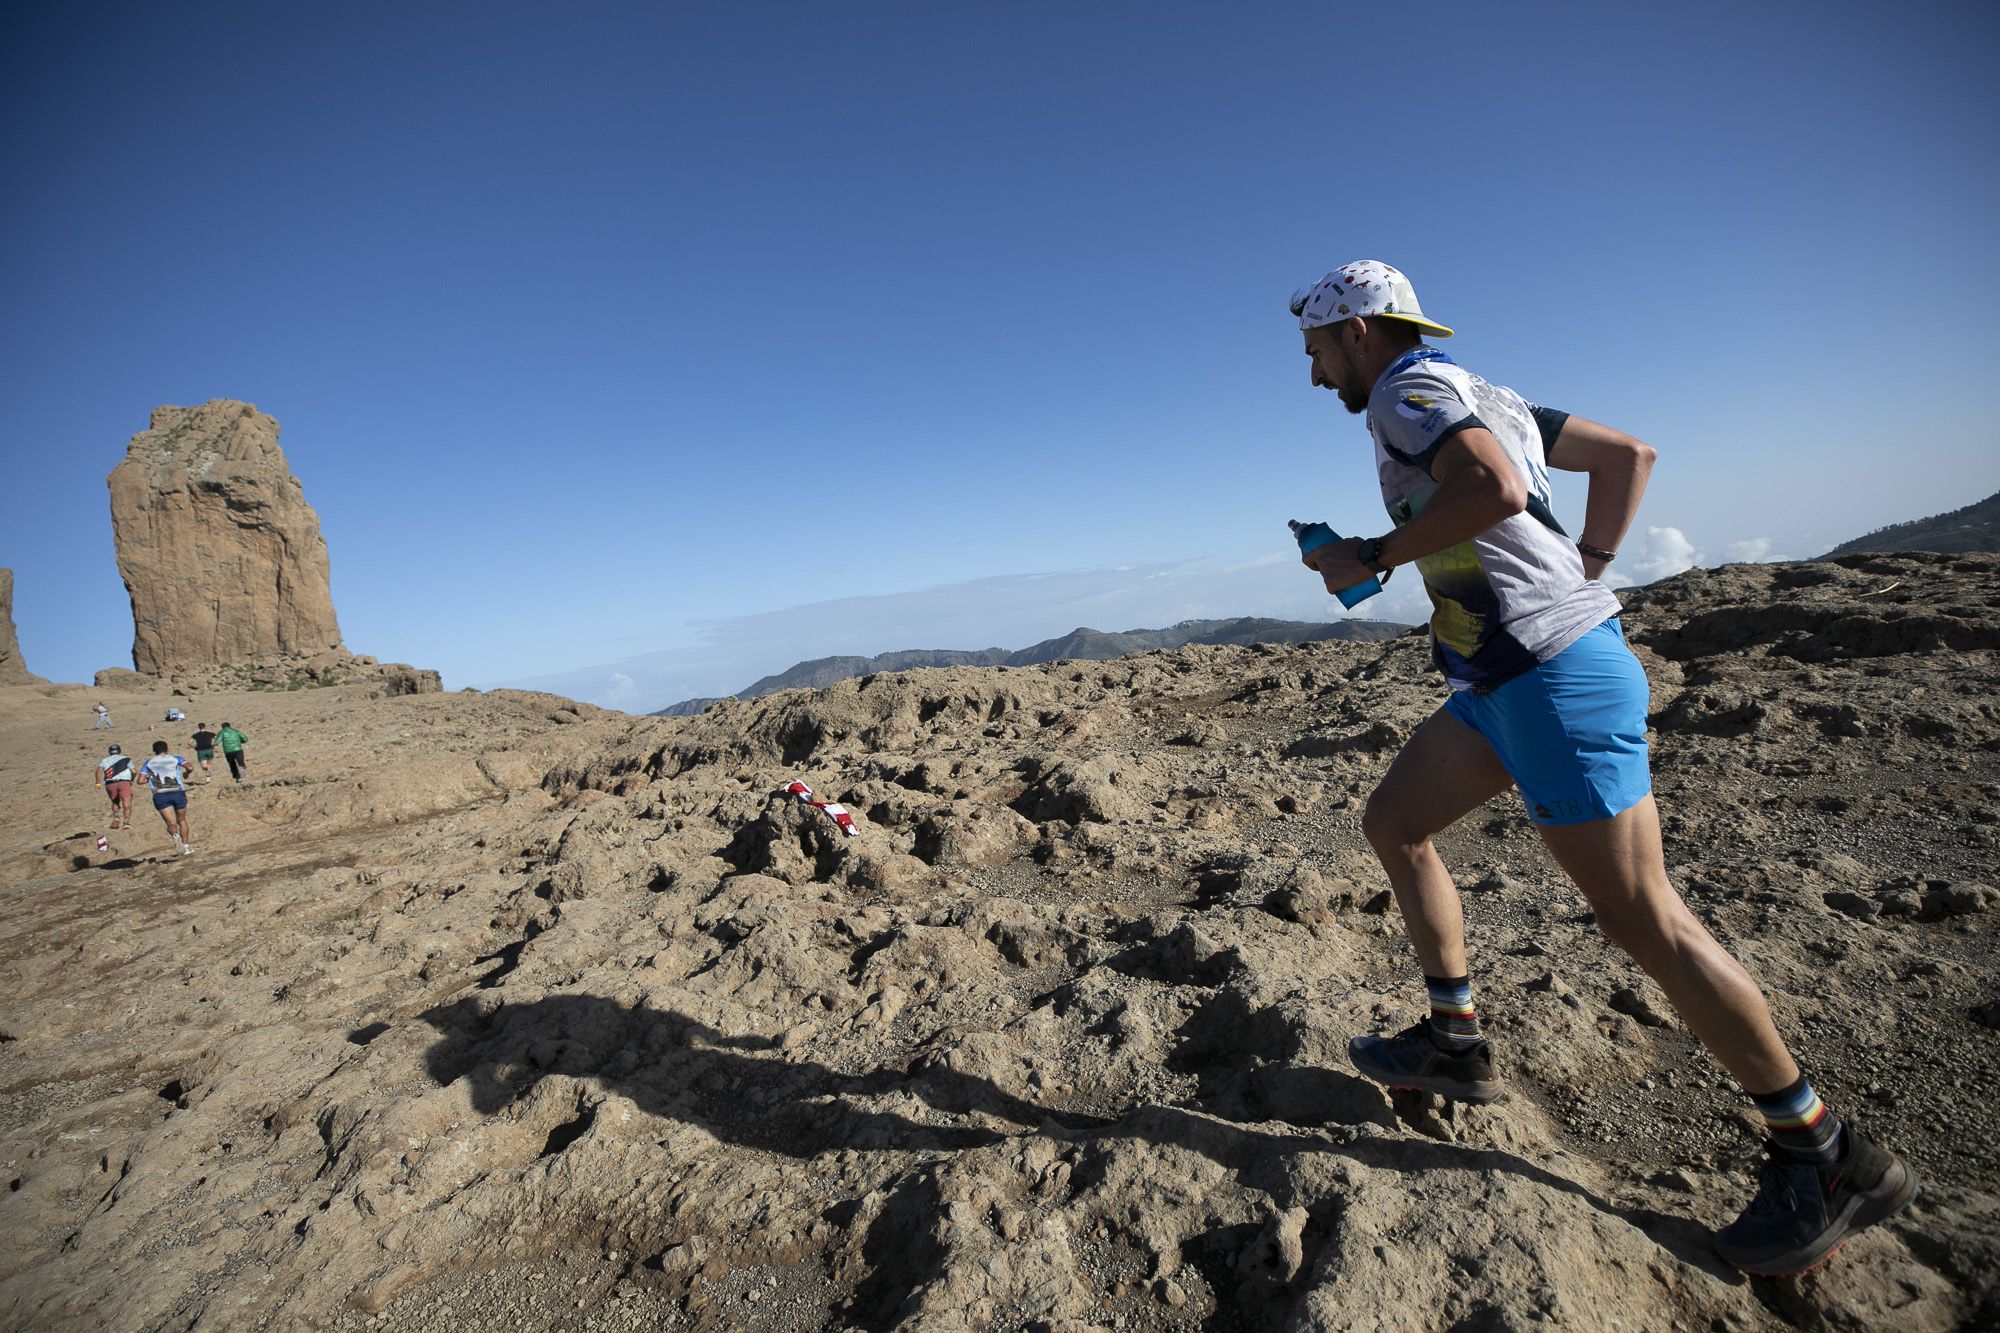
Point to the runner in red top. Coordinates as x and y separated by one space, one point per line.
114 774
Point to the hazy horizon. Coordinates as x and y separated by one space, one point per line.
1019 610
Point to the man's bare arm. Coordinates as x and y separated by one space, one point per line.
1478 486
1618 466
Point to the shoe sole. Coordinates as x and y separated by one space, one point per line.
1866 1211
1479 1092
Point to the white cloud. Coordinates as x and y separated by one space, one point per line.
1660 553
1749 552
620 691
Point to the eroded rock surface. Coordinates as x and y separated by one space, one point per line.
13 671
500 1011
218 548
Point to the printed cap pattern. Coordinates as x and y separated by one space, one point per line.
1366 287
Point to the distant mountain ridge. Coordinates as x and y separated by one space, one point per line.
1082 644
1973 528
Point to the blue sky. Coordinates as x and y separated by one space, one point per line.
719 337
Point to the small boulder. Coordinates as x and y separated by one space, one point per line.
1854 904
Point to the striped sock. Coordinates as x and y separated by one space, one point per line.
1800 1124
1454 1022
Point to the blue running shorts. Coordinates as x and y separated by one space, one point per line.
1572 731
163 799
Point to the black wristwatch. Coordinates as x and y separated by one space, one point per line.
1370 554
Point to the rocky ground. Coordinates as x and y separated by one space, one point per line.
498 1011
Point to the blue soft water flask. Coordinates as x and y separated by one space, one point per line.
1311 537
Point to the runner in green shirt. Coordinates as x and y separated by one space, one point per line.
232 750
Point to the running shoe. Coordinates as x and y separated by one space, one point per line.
1413 1059
1804 1212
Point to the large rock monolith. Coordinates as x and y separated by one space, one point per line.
220 551
13 671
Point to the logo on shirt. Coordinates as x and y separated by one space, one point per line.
1420 408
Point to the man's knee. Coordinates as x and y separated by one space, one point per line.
1391 828
1644 925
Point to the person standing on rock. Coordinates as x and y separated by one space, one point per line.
114 774
232 750
204 750
166 774
1546 697
102 721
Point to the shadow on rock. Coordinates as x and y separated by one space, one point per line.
1259 1158
742 1089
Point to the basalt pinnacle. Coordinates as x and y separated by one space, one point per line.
218 548
13 671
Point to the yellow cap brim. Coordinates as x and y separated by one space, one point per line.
1418 320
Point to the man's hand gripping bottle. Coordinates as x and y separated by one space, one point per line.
1311 537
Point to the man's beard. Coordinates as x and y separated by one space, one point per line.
1355 405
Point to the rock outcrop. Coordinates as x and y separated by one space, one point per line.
13 671
218 548
310 673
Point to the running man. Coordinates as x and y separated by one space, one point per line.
166 774
102 720
114 774
232 750
204 750
1546 697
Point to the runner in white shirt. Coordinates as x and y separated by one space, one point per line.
166 774
1546 697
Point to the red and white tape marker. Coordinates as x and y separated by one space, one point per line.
833 808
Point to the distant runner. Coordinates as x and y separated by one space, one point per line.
114 774
204 750
1546 697
232 750
102 721
166 774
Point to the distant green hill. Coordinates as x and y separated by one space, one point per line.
1973 528
1082 644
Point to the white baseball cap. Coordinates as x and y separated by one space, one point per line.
1366 287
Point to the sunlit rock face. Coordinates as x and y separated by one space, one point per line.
218 548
